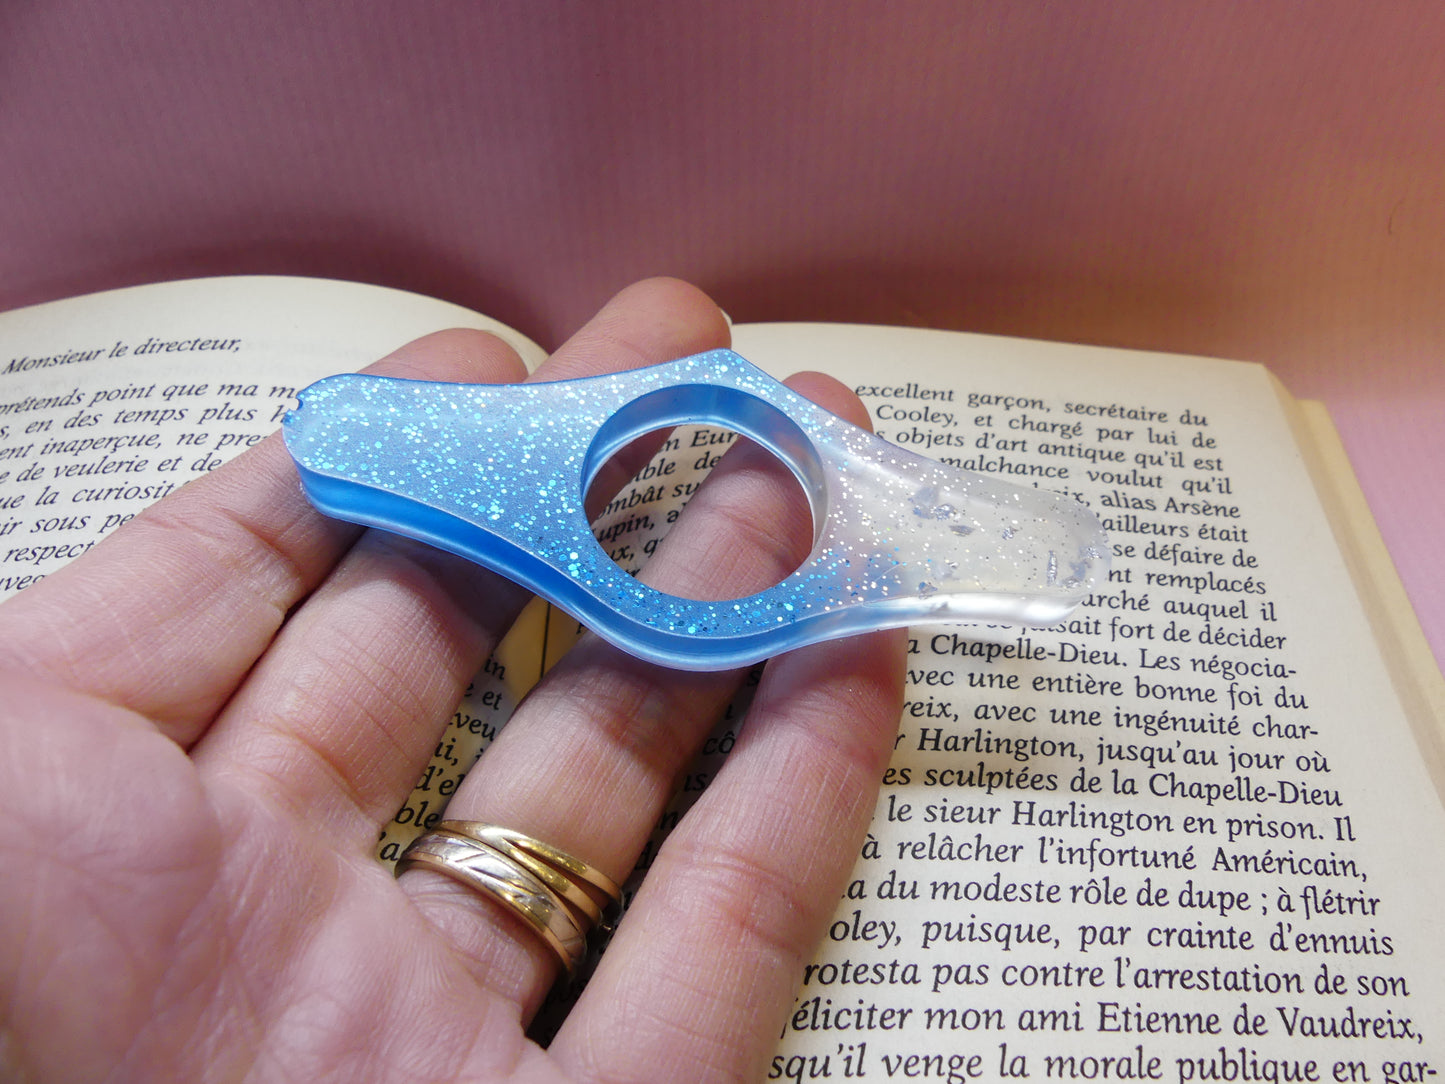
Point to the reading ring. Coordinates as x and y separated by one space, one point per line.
559 896
500 473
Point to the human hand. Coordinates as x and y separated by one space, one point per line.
207 718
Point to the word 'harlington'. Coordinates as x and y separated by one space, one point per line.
1117 822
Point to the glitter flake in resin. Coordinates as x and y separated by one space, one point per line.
498 474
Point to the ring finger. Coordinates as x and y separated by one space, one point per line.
336 721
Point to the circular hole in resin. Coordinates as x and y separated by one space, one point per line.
700 512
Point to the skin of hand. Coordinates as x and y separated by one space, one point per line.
206 719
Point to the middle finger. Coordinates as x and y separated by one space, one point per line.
592 757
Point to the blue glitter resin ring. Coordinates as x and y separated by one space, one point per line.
499 473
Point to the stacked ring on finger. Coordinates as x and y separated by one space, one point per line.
559 896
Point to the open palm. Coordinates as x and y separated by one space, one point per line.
206 719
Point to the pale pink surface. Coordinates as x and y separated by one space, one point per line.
1257 181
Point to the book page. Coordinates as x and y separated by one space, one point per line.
1187 834
109 402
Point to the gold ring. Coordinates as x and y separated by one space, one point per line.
547 888
529 850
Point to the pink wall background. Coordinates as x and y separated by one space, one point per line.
1260 181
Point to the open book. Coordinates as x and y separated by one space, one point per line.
1194 833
